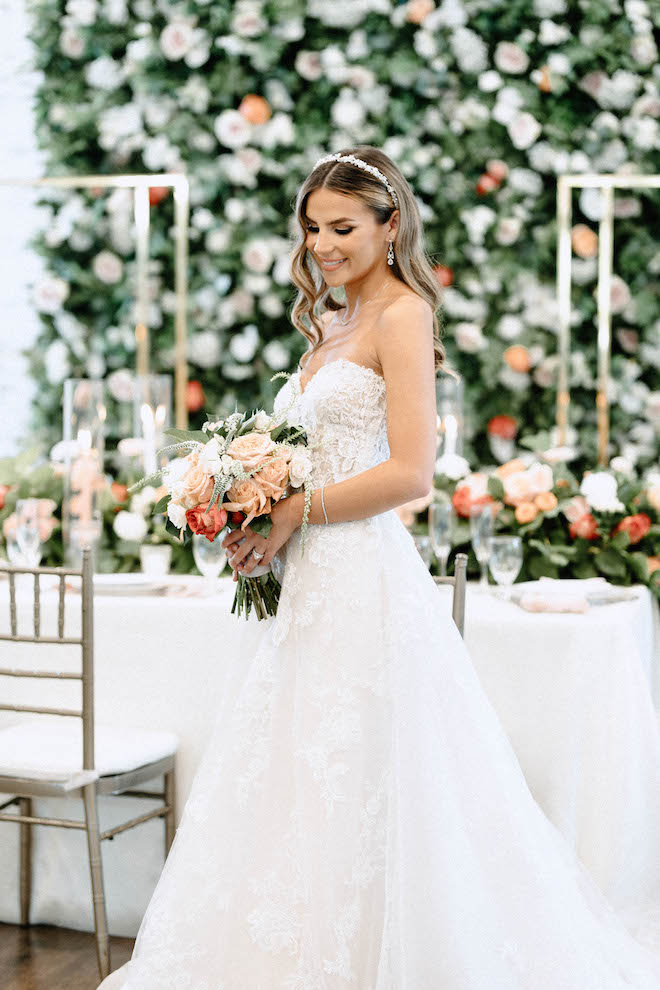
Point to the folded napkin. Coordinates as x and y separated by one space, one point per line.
553 601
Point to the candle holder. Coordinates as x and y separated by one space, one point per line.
84 436
152 415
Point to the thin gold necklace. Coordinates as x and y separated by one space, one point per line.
347 320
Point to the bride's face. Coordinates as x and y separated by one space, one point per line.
341 229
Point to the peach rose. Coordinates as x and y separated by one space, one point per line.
196 485
518 488
251 449
255 108
418 10
204 523
119 491
545 501
511 467
272 478
584 241
248 497
526 512
9 527
517 357
653 564
653 495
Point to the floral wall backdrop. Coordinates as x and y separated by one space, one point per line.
481 103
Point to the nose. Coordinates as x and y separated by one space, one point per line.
323 245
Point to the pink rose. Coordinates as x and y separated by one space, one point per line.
251 449
248 497
196 486
9 527
577 508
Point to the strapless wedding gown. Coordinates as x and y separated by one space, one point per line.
359 819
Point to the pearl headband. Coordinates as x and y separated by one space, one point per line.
365 168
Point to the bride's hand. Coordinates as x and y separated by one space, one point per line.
285 515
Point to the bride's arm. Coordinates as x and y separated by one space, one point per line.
404 344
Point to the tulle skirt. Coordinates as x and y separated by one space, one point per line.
359 818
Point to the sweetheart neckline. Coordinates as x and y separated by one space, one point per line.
328 364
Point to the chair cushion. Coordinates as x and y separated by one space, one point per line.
40 750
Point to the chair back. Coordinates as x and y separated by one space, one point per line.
459 581
85 641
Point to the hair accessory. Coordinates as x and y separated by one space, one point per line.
365 168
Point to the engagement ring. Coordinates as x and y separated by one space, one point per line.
256 555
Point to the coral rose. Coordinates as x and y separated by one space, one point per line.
635 526
208 525
585 528
248 497
503 426
119 491
251 449
196 486
3 491
545 501
526 512
272 477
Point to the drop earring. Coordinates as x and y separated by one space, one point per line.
390 253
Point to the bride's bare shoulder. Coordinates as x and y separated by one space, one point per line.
407 301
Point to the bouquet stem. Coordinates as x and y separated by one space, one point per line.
261 593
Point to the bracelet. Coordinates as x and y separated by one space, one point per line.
323 504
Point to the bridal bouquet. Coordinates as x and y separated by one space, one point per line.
237 468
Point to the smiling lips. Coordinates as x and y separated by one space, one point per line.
332 264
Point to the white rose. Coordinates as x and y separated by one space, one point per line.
108 267
248 21
308 65
508 230
176 514
121 385
232 129
262 422
271 305
469 337
143 500
50 293
204 348
218 240
176 39
510 57
523 130
130 526
104 73
276 355
600 490
540 478
300 467
57 362
71 43
257 255
209 458
82 11
453 466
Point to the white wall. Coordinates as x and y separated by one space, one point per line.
18 265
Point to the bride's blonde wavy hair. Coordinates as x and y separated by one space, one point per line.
411 265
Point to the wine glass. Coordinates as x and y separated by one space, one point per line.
505 560
210 558
481 528
441 517
423 544
28 534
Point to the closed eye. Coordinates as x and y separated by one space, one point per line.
314 230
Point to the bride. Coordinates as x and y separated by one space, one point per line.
359 818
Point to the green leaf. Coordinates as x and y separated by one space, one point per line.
495 487
639 564
611 563
620 540
199 435
542 567
161 504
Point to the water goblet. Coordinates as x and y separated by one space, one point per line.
423 544
481 528
210 558
28 533
506 558
441 518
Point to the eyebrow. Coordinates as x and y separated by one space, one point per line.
332 222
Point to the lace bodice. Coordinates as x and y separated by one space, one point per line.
343 411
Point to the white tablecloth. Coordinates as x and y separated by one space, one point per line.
573 692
